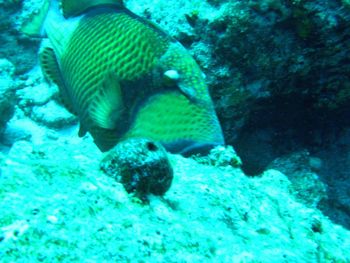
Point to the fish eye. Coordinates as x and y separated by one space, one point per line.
172 74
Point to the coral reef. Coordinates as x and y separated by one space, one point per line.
220 156
15 47
302 170
279 75
141 165
7 99
335 174
38 101
50 191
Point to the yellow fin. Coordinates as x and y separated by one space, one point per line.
106 107
73 8
51 71
33 27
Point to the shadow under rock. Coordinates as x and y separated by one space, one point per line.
281 126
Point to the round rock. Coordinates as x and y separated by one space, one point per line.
141 165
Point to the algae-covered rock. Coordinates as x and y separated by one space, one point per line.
7 98
141 165
52 115
57 206
36 92
37 101
301 169
21 51
7 69
220 156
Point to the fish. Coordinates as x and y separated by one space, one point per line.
124 77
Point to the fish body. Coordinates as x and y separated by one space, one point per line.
125 78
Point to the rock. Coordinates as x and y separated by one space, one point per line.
141 165
20 50
7 69
52 115
335 173
301 169
36 93
17 130
208 214
220 156
6 107
7 98
37 100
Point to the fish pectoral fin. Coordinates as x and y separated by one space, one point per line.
49 65
52 72
107 106
82 131
104 139
74 8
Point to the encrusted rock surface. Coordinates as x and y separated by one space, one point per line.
57 206
7 99
141 165
20 50
302 170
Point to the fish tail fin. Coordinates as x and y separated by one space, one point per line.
34 27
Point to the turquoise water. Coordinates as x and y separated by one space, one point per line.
277 72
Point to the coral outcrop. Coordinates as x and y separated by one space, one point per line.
7 99
15 47
141 165
58 206
278 72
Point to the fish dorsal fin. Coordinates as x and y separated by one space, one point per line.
72 8
106 107
33 27
52 72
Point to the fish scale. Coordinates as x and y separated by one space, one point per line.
126 67
148 117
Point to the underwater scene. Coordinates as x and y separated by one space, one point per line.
175 131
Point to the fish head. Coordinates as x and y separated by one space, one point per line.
180 68
182 116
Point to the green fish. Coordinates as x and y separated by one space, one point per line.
124 77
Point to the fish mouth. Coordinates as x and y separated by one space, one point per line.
187 147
